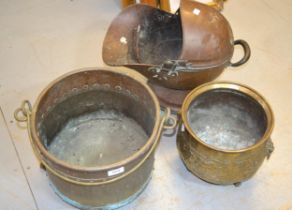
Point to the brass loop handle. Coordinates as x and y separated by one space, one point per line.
21 114
170 121
26 111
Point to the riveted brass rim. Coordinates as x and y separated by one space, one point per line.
46 156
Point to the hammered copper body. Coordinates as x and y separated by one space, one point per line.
178 51
224 132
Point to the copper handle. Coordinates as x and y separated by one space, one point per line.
246 50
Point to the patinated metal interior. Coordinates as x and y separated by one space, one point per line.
95 131
177 51
98 138
224 132
95 127
227 119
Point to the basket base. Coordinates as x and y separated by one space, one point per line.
106 207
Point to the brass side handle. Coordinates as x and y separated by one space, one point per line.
22 113
269 148
169 121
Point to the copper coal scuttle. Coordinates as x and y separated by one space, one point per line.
176 52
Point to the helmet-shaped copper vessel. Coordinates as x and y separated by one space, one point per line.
178 51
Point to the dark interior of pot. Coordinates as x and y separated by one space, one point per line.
95 118
159 38
227 119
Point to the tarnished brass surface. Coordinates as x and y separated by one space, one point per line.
207 159
83 92
178 51
108 195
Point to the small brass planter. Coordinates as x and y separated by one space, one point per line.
95 132
224 132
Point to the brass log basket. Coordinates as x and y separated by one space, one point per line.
224 132
113 184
